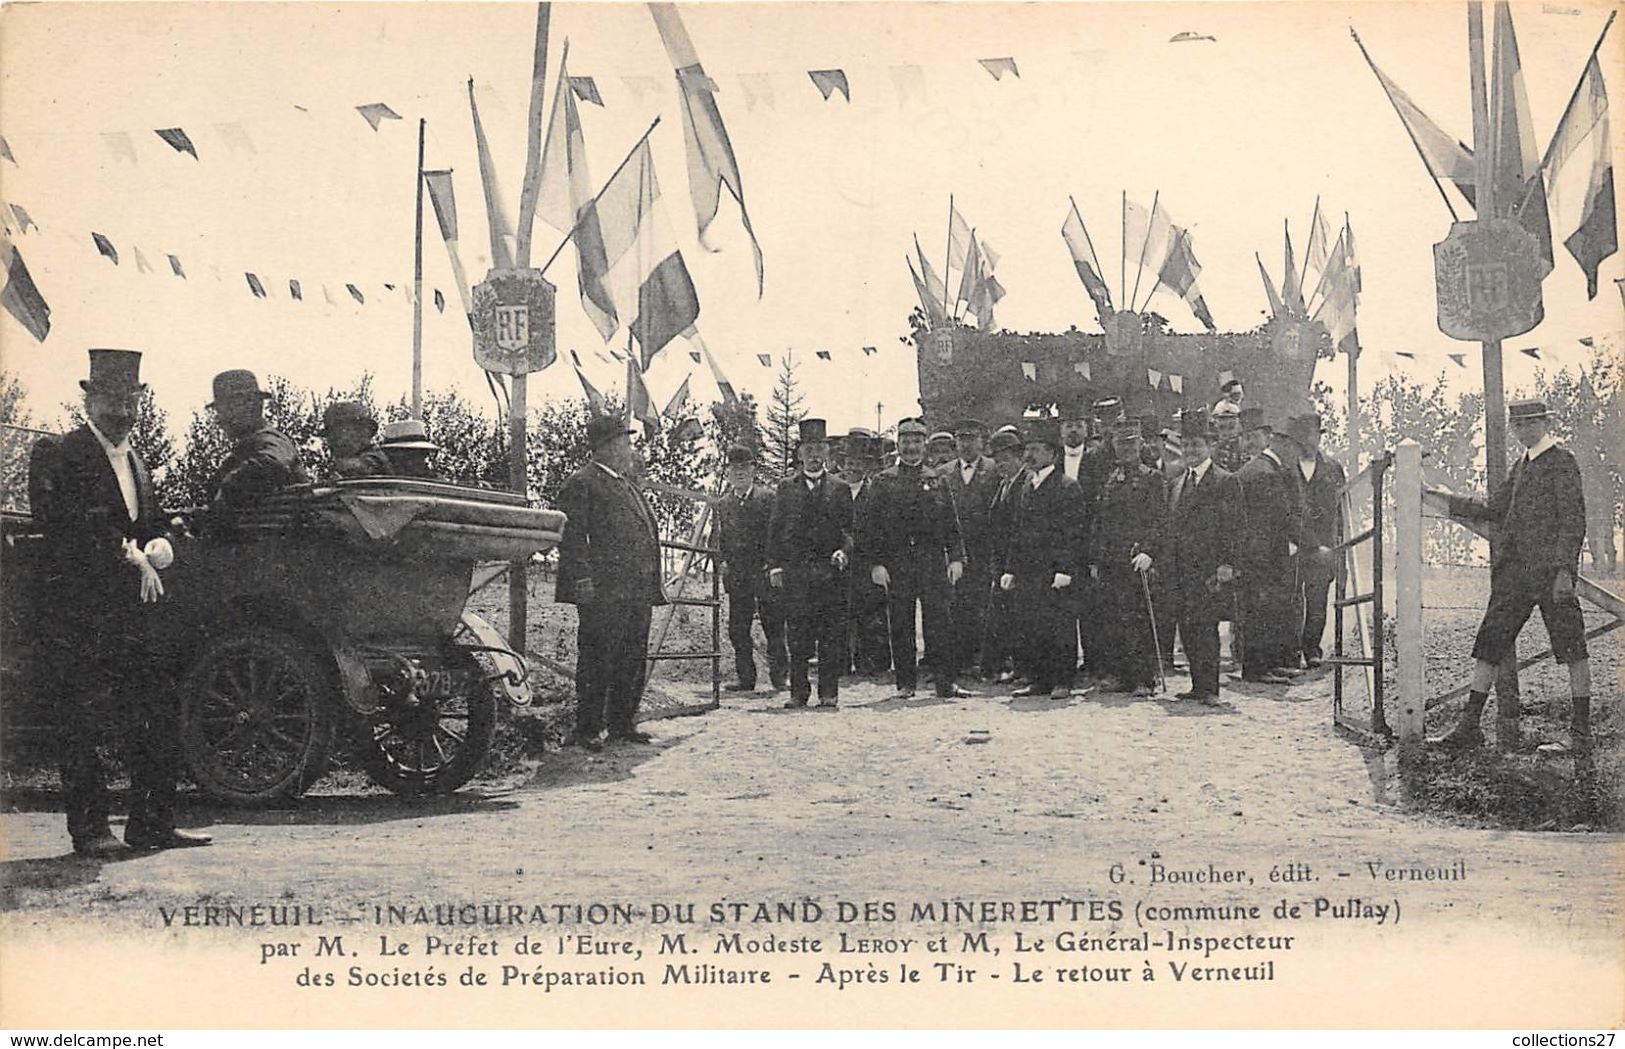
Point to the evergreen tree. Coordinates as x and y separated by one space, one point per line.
784 415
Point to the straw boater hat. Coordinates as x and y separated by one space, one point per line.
114 371
408 433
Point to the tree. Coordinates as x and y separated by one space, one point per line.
784 415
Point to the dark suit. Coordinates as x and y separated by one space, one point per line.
810 522
258 465
1541 518
610 540
1321 494
1272 506
912 529
1202 530
1046 541
742 530
971 597
1131 518
99 637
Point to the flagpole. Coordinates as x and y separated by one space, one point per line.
584 208
1144 244
417 286
948 258
1407 126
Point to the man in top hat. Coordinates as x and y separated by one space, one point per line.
1204 522
1044 564
349 430
1002 636
743 515
1226 425
262 458
1125 542
911 537
809 549
868 641
972 480
1540 512
939 448
1323 482
1272 507
409 449
100 613
609 568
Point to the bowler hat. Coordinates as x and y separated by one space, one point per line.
813 430
1526 409
236 384
1004 441
741 453
601 429
911 426
1044 431
347 413
1253 419
408 433
114 371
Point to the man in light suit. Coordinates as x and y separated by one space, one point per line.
100 606
609 568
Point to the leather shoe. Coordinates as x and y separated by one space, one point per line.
174 838
99 846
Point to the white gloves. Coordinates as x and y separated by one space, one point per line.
1061 581
775 578
956 571
1141 562
838 559
880 577
160 553
1007 582
152 587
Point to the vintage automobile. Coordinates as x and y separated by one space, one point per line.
329 614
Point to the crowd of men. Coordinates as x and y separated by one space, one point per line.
1067 552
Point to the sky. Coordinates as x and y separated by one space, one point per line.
1235 135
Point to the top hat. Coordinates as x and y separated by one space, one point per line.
408 433
1253 419
1004 441
347 413
1527 409
969 425
812 430
601 429
115 371
911 426
236 384
1044 431
741 453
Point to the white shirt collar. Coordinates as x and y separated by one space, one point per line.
1038 477
1541 446
121 449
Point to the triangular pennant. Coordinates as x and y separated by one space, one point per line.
829 81
296 291
997 67
105 246
255 286
177 139
375 113
586 90
355 293
176 268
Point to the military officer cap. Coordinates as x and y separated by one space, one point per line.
813 430
741 453
1228 410
911 426
1127 427
1005 440
968 425
1044 431
1253 419
1528 409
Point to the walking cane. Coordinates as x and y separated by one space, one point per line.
1151 612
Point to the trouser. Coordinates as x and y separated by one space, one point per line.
748 602
1131 655
815 603
1199 629
1047 624
968 609
83 667
1314 590
921 575
612 643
